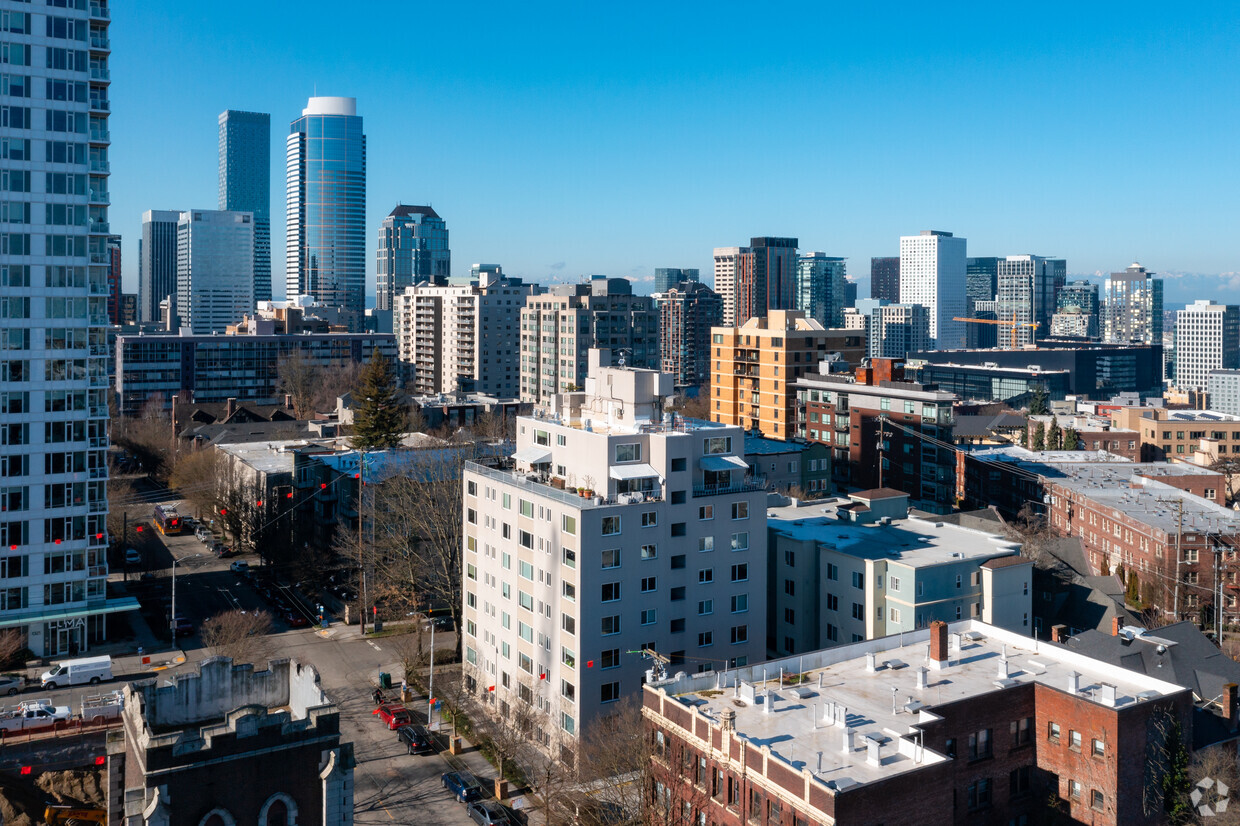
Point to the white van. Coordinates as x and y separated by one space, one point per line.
91 670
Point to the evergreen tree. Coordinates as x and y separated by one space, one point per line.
1039 438
1071 439
380 417
1038 402
1121 573
1175 783
1132 593
1054 438
1105 568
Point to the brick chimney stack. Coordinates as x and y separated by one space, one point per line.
230 407
1229 705
1116 624
938 644
1059 633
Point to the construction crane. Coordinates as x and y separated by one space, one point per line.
1013 324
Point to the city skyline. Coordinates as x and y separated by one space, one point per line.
522 144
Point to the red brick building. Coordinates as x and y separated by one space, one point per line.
968 724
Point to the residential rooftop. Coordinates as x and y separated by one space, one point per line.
1149 501
871 690
914 541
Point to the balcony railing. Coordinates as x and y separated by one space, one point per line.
100 42
751 483
100 12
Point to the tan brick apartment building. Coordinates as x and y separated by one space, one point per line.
964 723
1177 434
754 366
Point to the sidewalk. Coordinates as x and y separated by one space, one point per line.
126 663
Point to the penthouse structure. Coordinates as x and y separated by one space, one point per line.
958 723
614 528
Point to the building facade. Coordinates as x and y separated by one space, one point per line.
215 269
981 291
325 180
1028 289
1079 309
849 412
1168 435
1223 390
1207 338
462 337
665 551
212 368
933 273
245 183
885 279
54 292
687 312
665 278
114 279
413 249
756 279
559 327
1134 307
895 330
820 288
157 261
754 367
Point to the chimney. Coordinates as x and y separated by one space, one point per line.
728 718
873 752
288 400
848 741
1059 633
1074 683
230 407
938 644
870 662
1116 624
921 679
1229 705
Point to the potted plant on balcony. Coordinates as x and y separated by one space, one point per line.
588 490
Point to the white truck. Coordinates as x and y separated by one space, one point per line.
34 714
100 707
93 670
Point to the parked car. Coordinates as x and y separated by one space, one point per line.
463 786
12 684
416 738
205 536
182 627
488 813
295 620
132 557
394 715
223 552
239 566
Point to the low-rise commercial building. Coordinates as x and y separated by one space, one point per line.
1177 434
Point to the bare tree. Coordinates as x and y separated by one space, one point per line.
196 475
124 509
148 437
697 407
1209 768
511 724
12 644
299 378
1229 466
240 635
614 760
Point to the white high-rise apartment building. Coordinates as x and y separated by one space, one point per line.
1207 338
458 335
664 551
1134 307
730 265
54 265
215 269
933 273
895 330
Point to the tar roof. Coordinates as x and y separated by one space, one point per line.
911 542
885 703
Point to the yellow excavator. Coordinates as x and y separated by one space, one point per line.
73 816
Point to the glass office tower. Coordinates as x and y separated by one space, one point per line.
413 249
325 248
245 183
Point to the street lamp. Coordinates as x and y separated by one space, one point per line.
172 620
430 688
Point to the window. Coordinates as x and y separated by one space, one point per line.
649 551
706 606
650 519
980 744
1074 789
1097 800
740 541
740 634
740 572
611 525
1022 731
893 583
706 512
569 624
1052 731
1099 748
858 611
568 524
678 529
677 626
678 593
678 561
569 558
629 452
677 497
790 588
833 572
650 616
1074 740
610 625
706 638
740 510
893 615
525 570
706 543
526 539
526 508
610 658
833 602
568 589
567 723
679 464
609 692
611 591
1018 781
706 575
858 579
526 632
790 559
979 793
790 616
717 444
568 657
610 558
740 603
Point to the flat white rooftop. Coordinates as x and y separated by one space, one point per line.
836 693
914 542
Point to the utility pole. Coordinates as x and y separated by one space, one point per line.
361 524
1218 596
882 433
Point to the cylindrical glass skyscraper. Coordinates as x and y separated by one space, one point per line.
326 201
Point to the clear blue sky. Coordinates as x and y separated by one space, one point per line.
562 139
